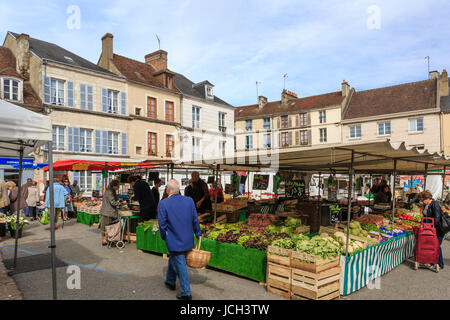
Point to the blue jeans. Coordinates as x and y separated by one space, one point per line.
28 211
441 259
177 267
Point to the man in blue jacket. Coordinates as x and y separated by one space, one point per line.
178 223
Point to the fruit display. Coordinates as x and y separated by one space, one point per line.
260 220
371 219
356 230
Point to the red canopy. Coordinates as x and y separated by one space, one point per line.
83 165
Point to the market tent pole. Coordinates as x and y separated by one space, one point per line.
19 196
425 177
248 184
318 200
444 175
350 187
171 170
215 197
393 195
52 217
411 186
168 167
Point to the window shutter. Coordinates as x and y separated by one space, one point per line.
70 94
123 103
76 139
279 140
290 121
290 138
104 100
46 85
90 98
98 141
124 143
297 137
70 139
297 121
104 142
308 137
83 97
309 119
278 123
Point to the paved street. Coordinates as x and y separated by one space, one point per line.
131 274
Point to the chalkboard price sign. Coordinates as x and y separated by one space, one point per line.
332 192
295 189
335 214
260 182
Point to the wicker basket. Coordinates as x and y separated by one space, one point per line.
197 258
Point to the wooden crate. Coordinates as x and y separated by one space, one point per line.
278 288
233 217
303 229
327 292
315 281
366 241
308 262
279 256
277 273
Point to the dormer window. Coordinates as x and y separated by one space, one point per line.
11 89
209 92
169 82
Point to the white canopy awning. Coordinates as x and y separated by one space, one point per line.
19 126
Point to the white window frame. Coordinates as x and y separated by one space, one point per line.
113 142
354 129
209 92
86 181
11 87
264 124
248 128
59 135
113 101
323 132
56 91
196 117
222 121
323 116
383 125
416 126
249 143
196 151
267 141
222 148
86 140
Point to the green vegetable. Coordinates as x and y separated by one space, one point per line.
284 243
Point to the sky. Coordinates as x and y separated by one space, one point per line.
234 44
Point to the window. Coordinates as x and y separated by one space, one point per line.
323 135
85 140
113 143
416 125
384 128
195 117
222 145
152 144
304 137
170 111
10 89
248 125
86 96
85 180
266 124
355 132
267 143
113 101
138 111
209 92
138 150
222 127
285 139
151 108
59 138
170 146
303 119
196 148
57 92
248 143
284 122
169 82
323 116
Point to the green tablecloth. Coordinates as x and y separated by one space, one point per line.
87 218
249 263
361 268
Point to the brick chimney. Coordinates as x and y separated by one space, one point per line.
286 96
107 51
23 56
443 89
345 88
434 75
262 101
157 60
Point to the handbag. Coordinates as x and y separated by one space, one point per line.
444 224
45 218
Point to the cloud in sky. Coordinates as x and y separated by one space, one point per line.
236 43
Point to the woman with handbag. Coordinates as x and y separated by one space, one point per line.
109 212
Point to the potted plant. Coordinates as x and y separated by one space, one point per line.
2 224
13 226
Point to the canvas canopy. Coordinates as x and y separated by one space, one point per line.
19 125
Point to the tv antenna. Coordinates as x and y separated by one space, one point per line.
428 59
159 42
285 76
257 92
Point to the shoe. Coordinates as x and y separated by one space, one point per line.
172 287
104 244
184 297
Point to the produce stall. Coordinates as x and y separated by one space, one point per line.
88 212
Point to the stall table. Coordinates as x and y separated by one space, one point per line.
87 218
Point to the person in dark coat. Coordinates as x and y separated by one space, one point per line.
155 190
178 223
201 196
189 190
144 196
433 210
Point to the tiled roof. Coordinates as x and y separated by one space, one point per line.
388 100
8 68
186 86
51 51
137 71
275 107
